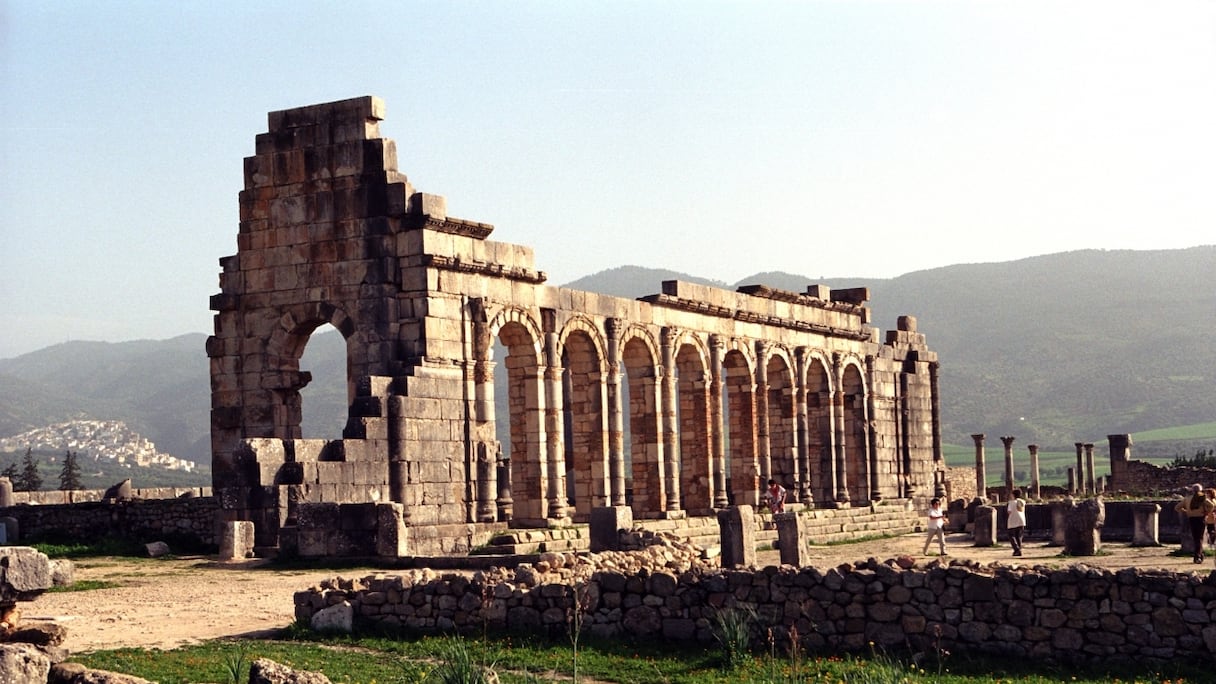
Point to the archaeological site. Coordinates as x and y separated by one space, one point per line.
670 407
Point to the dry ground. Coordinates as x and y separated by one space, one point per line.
164 603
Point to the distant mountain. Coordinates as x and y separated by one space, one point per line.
1054 349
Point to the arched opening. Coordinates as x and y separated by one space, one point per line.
782 438
857 469
742 468
819 431
520 426
644 447
326 399
585 423
692 407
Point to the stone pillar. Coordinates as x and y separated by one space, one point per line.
554 431
717 422
236 540
802 416
1145 518
1081 527
984 531
869 453
671 442
1120 454
616 412
1072 481
1090 485
763 445
391 532
981 474
792 539
607 522
1007 441
6 492
485 443
939 461
1059 514
504 503
737 529
1035 488
1080 481
487 483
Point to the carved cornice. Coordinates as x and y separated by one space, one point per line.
453 226
482 268
703 308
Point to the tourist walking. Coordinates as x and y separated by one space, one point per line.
1196 506
1015 521
936 527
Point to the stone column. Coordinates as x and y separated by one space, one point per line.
737 527
763 446
981 475
504 503
485 445
792 539
842 476
1035 487
554 429
616 412
1008 442
802 416
671 442
1080 481
717 421
869 453
1090 486
939 462
6 492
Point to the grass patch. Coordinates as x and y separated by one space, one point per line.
105 546
84 585
364 659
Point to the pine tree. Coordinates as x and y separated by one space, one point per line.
69 477
10 471
28 480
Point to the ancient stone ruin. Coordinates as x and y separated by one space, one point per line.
680 403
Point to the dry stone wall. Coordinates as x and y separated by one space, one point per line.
1066 615
193 520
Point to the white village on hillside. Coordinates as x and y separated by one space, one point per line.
97 440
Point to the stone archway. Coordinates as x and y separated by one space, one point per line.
584 420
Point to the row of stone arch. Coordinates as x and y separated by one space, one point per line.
610 412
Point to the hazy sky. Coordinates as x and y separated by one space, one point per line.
830 139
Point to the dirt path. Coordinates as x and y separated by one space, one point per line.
166 603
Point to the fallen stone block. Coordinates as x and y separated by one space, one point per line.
157 549
75 673
23 663
339 617
266 671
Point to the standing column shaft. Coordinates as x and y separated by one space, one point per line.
939 461
1079 487
717 418
1090 483
764 447
553 428
671 443
802 416
842 481
981 475
616 419
1035 489
1008 442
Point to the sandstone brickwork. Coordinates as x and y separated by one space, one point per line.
685 401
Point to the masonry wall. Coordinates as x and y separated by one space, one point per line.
193 520
1067 615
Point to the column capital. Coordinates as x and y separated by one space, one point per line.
1007 441
978 438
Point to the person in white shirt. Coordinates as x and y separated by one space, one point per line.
1015 521
936 526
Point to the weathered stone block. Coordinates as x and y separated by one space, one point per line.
737 529
607 523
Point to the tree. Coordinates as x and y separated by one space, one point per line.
69 476
10 471
28 480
